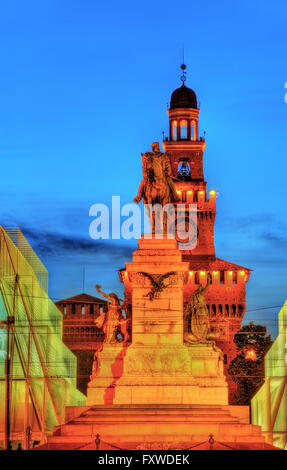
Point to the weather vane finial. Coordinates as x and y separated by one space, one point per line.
183 68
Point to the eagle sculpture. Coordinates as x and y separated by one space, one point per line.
157 282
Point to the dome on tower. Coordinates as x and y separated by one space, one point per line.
183 97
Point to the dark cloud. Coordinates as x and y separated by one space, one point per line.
47 243
275 239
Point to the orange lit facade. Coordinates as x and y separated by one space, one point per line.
226 295
79 314
80 333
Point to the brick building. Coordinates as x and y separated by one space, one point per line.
80 333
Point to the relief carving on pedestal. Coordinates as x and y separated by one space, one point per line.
157 282
162 364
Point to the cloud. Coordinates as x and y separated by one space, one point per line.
47 243
275 239
260 229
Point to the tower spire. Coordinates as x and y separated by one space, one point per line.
183 68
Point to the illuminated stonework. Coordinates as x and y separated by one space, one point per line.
158 367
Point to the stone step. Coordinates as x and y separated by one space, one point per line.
142 429
221 418
157 413
229 436
138 411
129 426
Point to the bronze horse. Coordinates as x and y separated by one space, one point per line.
157 186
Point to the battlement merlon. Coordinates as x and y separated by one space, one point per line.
189 196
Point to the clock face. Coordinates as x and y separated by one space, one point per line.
186 232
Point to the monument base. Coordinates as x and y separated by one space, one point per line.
135 375
158 367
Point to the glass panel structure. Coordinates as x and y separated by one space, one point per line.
42 369
269 405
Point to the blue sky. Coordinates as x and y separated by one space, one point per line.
83 90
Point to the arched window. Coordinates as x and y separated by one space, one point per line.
233 310
192 133
227 309
174 130
213 309
83 310
183 130
220 309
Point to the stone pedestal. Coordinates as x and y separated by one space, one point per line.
158 367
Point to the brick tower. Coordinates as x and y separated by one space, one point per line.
226 295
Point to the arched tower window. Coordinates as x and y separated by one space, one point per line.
192 131
174 130
183 129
